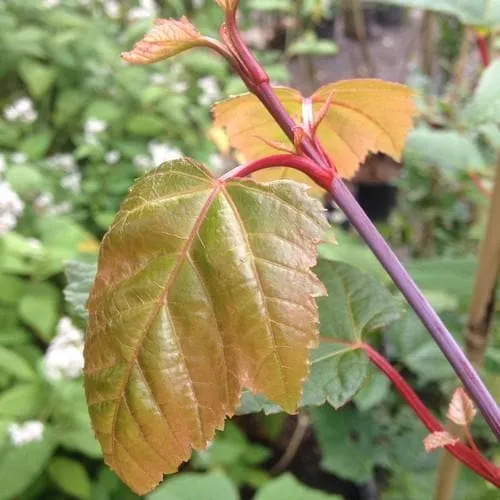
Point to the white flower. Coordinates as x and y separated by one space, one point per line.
180 87
22 110
163 152
60 209
112 157
338 217
112 8
142 162
18 158
62 161
72 182
21 434
8 221
64 357
210 91
158 79
44 200
11 207
217 162
146 9
50 4
92 128
34 244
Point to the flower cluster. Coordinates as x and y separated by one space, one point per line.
65 162
21 110
210 91
92 128
27 432
11 207
64 357
145 10
158 153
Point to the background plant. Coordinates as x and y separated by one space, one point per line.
84 222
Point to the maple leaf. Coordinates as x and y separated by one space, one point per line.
355 118
461 410
203 287
439 439
167 38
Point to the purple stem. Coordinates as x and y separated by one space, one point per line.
443 338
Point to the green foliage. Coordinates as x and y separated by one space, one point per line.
20 466
484 107
288 487
469 12
347 440
240 459
190 486
309 44
451 151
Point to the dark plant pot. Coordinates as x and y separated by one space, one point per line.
389 17
279 39
325 29
349 26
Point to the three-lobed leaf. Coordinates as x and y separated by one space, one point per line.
203 288
364 116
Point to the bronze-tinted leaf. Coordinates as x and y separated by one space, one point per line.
439 439
366 116
461 410
203 288
167 38
357 117
247 121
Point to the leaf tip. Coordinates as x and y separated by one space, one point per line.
166 38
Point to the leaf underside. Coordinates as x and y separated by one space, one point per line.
203 288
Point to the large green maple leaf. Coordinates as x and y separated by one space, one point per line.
203 288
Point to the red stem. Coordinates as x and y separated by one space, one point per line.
484 49
321 176
460 451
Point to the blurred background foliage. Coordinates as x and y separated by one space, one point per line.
78 126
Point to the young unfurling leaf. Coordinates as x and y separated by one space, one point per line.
461 410
364 116
439 439
167 38
203 288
